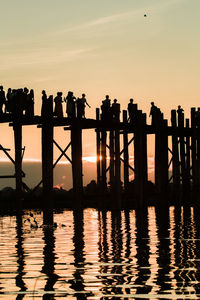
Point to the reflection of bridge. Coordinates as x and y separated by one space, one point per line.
183 157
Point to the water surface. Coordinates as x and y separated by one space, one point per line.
101 255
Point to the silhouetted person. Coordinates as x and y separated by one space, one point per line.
130 110
152 113
2 99
25 99
81 104
197 117
58 105
115 110
44 101
18 102
9 104
180 115
106 108
70 105
30 104
80 108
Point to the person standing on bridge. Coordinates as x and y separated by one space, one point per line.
2 99
106 109
84 103
115 110
70 105
9 102
29 112
152 113
44 101
58 112
180 115
131 111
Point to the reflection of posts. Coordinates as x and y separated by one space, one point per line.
78 282
164 259
117 245
49 260
103 248
20 256
142 246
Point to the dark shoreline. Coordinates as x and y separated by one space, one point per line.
93 197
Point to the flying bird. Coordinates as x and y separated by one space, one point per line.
145 15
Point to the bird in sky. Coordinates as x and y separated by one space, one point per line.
145 15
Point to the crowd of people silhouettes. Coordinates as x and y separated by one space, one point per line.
75 107
21 101
17 100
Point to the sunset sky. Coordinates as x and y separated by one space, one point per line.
101 47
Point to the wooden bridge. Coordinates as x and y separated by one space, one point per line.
178 165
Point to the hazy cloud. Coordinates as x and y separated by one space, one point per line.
40 57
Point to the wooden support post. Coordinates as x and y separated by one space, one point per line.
111 159
47 161
103 159
182 149
116 203
140 158
126 155
17 127
188 157
198 152
76 148
175 152
98 148
161 157
194 147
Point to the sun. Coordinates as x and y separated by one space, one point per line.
91 159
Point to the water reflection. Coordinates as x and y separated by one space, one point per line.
49 261
164 256
20 257
102 255
143 252
77 284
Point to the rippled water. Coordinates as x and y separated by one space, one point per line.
101 255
